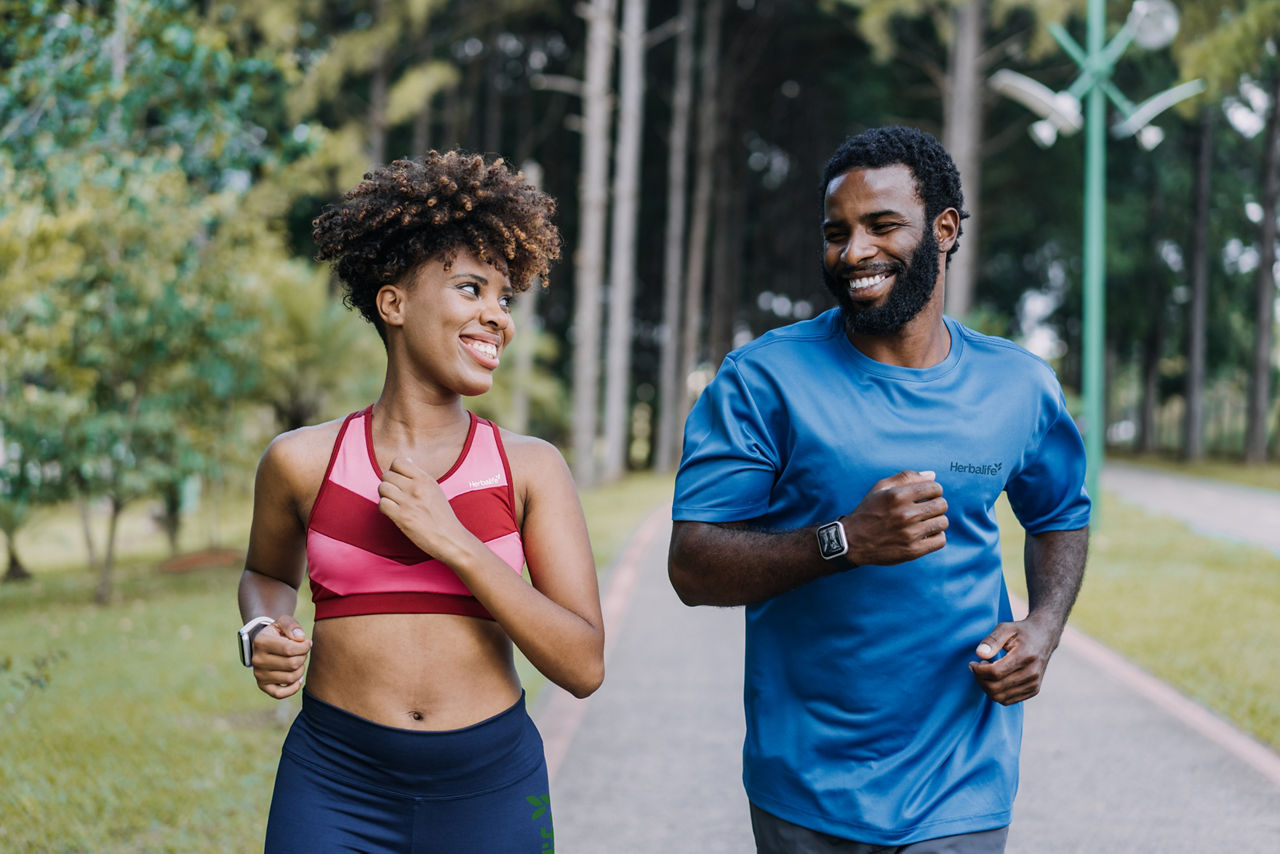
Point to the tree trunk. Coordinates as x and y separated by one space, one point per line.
1152 344
527 328
725 262
102 595
622 255
171 517
454 116
492 134
15 571
422 129
1193 424
672 384
378 98
704 172
1255 449
962 137
592 214
86 528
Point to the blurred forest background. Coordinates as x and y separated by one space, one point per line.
161 161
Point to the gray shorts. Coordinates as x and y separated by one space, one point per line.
779 836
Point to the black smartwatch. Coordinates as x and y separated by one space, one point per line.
831 540
247 633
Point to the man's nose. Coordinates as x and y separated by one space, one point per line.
860 247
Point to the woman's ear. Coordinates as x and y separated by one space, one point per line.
390 302
946 228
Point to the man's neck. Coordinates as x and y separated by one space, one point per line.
922 342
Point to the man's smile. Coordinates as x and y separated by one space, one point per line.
867 280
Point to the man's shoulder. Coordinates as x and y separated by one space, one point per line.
794 339
1011 356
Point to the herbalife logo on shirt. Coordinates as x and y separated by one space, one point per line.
989 469
488 481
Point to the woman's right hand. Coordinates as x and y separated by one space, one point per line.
280 657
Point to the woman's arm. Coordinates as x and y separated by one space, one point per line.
556 622
275 566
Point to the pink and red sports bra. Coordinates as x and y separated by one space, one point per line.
359 562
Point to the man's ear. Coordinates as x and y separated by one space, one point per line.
946 228
390 303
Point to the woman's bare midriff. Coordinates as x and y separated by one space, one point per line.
413 671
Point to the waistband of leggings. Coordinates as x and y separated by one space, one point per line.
487 755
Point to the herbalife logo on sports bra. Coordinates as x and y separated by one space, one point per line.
990 469
488 481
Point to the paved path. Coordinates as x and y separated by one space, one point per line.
1239 513
655 765
1114 762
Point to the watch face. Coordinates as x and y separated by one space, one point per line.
831 540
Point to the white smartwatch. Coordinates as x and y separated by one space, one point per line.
831 540
247 633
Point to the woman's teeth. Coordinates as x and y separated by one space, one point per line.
484 348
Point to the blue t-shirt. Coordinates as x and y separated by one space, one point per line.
863 719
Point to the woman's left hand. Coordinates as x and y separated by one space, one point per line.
415 502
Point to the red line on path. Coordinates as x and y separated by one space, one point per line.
562 713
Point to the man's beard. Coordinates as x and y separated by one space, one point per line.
911 292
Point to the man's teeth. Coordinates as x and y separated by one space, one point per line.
867 282
484 348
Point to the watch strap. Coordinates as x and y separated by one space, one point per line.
247 633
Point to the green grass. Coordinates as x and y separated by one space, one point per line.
1200 613
149 735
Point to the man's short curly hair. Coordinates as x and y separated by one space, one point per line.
414 211
937 179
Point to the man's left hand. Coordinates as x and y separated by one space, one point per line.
1018 675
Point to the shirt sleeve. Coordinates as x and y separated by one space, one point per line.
730 459
1048 491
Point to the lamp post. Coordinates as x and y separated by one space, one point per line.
1152 24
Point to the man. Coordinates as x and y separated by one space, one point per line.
839 478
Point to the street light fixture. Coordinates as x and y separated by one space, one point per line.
1152 24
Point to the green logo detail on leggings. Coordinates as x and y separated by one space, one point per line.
542 807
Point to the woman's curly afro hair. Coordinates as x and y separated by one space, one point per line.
937 179
413 211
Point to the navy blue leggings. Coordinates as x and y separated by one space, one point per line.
348 784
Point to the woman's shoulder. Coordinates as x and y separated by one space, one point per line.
302 454
529 455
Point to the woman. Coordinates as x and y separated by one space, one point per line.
415 518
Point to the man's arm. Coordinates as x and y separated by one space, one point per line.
900 519
1054 569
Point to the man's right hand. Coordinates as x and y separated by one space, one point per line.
280 657
902 518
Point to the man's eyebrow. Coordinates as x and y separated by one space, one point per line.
866 217
878 214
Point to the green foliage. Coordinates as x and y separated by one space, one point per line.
879 20
1220 42
137 347
124 313
317 359
137 76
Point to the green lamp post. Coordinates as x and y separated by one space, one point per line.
1152 24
